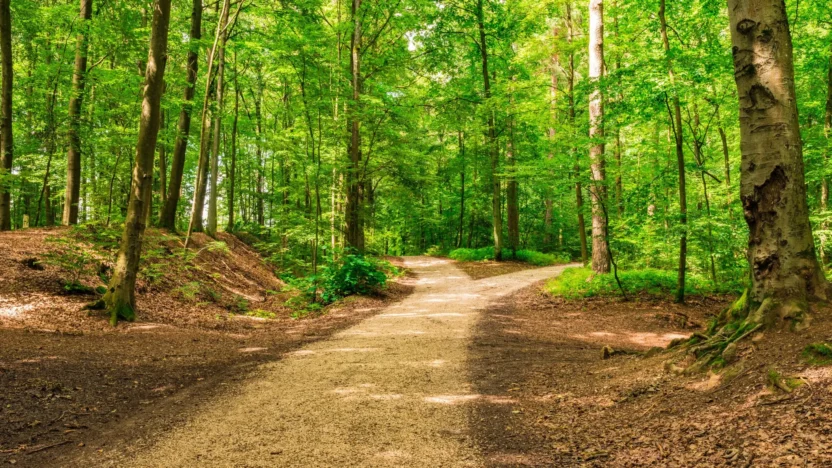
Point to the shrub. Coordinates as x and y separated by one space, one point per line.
540 259
527 256
354 274
580 282
472 255
77 262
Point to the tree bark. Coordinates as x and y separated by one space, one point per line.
353 212
180 147
215 153
676 123
598 192
120 299
73 163
461 190
512 206
493 148
232 176
824 183
6 137
579 197
201 186
781 250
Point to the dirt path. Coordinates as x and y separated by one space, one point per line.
387 392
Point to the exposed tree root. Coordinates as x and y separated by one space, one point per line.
718 345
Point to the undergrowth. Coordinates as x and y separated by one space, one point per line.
528 256
575 283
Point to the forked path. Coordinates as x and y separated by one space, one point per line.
390 391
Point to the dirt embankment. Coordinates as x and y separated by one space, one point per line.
73 383
576 409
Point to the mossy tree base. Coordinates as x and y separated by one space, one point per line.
718 345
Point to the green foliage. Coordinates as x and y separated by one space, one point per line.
189 290
575 283
819 354
528 256
77 262
472 255
348 275
353 274
540 259
260 313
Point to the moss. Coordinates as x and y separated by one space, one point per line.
818 354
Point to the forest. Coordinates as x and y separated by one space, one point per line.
193 163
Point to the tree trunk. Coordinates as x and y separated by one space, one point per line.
824 186
512 208
120 299
215 154
547 203
676 123
493 148
579 197
6 137
232 176
598 192
177 167
73 163
163 165
195 224
781 251
354 211
461 190
261 169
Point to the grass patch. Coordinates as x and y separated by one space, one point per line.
818 354
527 256
576 283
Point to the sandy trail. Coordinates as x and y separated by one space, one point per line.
387 392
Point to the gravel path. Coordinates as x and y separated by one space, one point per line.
387 392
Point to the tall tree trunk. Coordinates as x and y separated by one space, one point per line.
6 137
183 128
232 176
547 203
163 164
201 186
781 250
493 148
261 169
824 187
512 208
676 123
215 154
73 163
598 192
461 190
579 197
354 210
120 299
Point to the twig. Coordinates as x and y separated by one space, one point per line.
47 447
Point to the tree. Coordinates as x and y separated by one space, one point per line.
73 157
215 154
598 189
183 128
676 125
6 136
785 273
493 145
120 298
353 211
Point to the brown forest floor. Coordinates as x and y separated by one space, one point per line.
576 409
70 382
